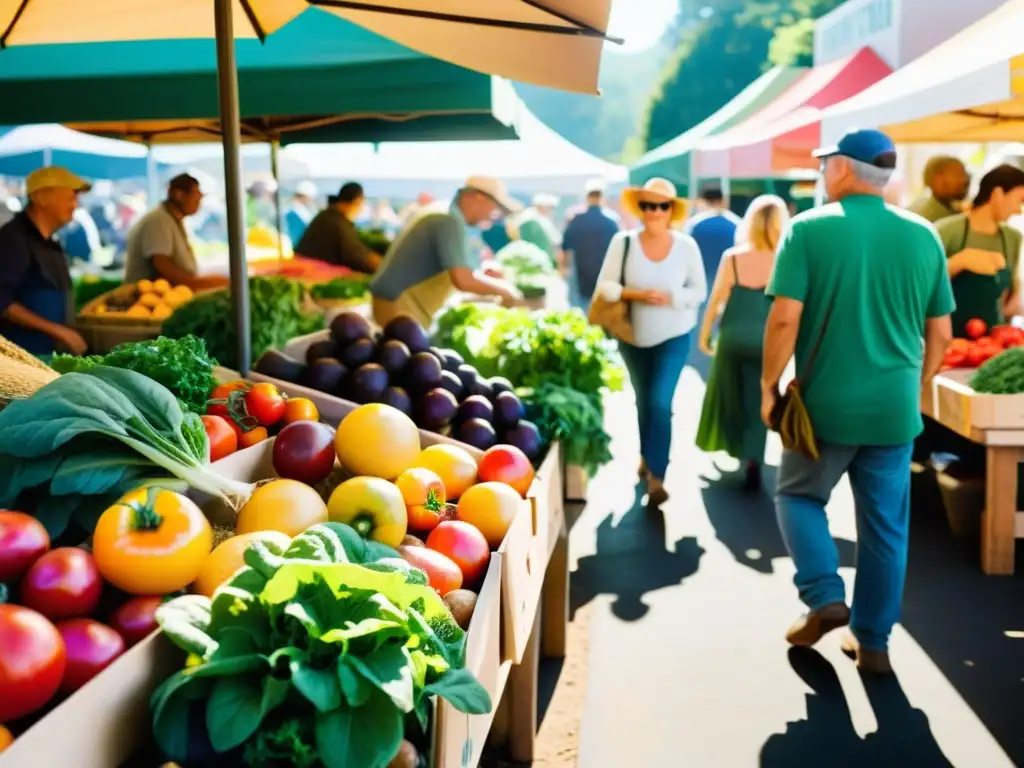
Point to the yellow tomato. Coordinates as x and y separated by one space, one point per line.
144 286
161 312
287 506
152 542
229 556
161 286
149 300
455 466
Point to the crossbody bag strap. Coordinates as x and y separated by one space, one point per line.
817 342
625 255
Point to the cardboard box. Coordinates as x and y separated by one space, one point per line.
527 555
102 724
458 738
952 402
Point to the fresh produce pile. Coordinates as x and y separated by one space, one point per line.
376 240
89 287
1002 374
982 344
562 364
240 415
65 614
400 368
182 365
277 310
146 299
527 266
341 288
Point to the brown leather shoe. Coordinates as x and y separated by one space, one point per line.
869 662
811 627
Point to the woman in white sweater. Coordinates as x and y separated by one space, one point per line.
663 280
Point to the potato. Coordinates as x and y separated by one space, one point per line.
461 603
407 756
412 541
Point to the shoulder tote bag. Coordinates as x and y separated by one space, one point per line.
614 316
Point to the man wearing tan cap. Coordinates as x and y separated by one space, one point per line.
431 258
36 297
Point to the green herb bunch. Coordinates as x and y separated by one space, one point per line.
276 310
312 656
572 418
1001 375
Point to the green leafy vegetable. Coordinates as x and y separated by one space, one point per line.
1002 374
182 365
87 437
572 418
376 240
354 287
276 307
313 656
88 288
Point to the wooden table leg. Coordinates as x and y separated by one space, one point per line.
998 522
555 601
522 693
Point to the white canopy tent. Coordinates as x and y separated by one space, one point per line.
539 161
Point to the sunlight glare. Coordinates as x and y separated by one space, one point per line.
640 23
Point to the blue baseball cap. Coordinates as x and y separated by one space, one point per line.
868 146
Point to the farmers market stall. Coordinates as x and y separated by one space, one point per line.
986 406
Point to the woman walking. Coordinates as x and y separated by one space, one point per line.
731 418
659 272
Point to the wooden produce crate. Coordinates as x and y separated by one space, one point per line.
523 577
952 402
106 721
458 739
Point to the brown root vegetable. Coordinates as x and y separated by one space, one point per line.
407 756
412 541
461 603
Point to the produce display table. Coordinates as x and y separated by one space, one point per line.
997 423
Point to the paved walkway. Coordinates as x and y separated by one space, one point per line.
687 663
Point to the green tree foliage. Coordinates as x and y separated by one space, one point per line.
793 46
716 57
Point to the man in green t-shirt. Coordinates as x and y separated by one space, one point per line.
857 284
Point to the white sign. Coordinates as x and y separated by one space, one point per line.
855 25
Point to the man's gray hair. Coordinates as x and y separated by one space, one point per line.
869 174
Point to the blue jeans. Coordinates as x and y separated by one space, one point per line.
880 478
654 373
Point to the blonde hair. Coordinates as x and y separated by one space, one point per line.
766 218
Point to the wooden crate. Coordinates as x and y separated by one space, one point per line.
951 401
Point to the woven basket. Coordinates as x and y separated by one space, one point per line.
21 374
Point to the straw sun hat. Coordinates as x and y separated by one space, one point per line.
657 189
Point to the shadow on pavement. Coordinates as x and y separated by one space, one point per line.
632 560
827 736
745 523
969 625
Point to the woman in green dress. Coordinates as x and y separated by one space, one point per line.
984 252
731 417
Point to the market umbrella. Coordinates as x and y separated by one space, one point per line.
27 22
556 43
27 147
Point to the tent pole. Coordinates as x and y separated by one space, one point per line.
152 182
275 146
231 135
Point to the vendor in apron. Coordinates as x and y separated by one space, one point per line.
36 296
431 258
984 252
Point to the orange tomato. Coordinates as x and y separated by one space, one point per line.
223 392
6 738
300 409
152 542
252 437
222 438
229 556
491 508
287 506
455 466
424 496
507 464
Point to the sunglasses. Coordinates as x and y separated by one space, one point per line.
648 207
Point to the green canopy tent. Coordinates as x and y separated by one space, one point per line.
319 78
672 159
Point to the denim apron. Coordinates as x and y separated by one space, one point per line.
979 296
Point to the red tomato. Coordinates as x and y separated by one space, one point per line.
955 358
265 404
464 545
442 573
136 619
975 328
32 661
300 409
304 451
62 584
223 392
252 437
23 540
509 465
222 438
90 648
979 353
